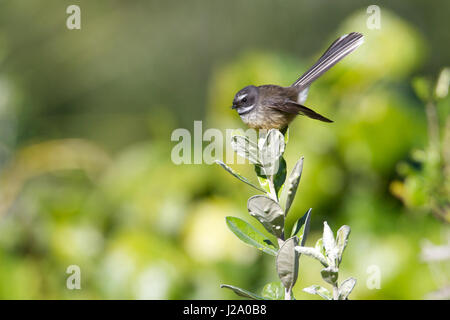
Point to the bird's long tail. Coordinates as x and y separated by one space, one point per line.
337 51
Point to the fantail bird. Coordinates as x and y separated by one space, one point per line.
274 107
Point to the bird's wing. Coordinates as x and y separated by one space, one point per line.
292 107
337 51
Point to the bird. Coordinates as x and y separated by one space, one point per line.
274 107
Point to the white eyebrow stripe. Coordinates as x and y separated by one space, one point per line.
242 96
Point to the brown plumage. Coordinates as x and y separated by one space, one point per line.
272 106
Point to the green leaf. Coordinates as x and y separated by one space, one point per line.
330 274
320 291
287 263
245 148
249 235
422 88
341 241
273 291
298 226
238 176
346 288
313 253
302 227
242 293
286 135
292 183
268 212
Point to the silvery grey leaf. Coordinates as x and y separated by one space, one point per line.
245 148
341 241
242 293
346 288
270 150
330 274
274 143
313 253
292 183
320 291
273 291
237 175
329 244
268 212
273 167
287 263
319 246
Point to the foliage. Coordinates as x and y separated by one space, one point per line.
328 251
140 227
266 155
427 182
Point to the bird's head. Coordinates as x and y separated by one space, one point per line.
245 100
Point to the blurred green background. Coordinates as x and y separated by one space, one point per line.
86 118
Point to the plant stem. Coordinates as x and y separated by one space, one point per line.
287 294
433 126
335 291
280 242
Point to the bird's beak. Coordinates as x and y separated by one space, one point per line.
233 106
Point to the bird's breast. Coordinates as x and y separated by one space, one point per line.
263 117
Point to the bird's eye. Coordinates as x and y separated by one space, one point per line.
244 100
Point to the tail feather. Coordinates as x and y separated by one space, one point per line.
336 52
312 114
